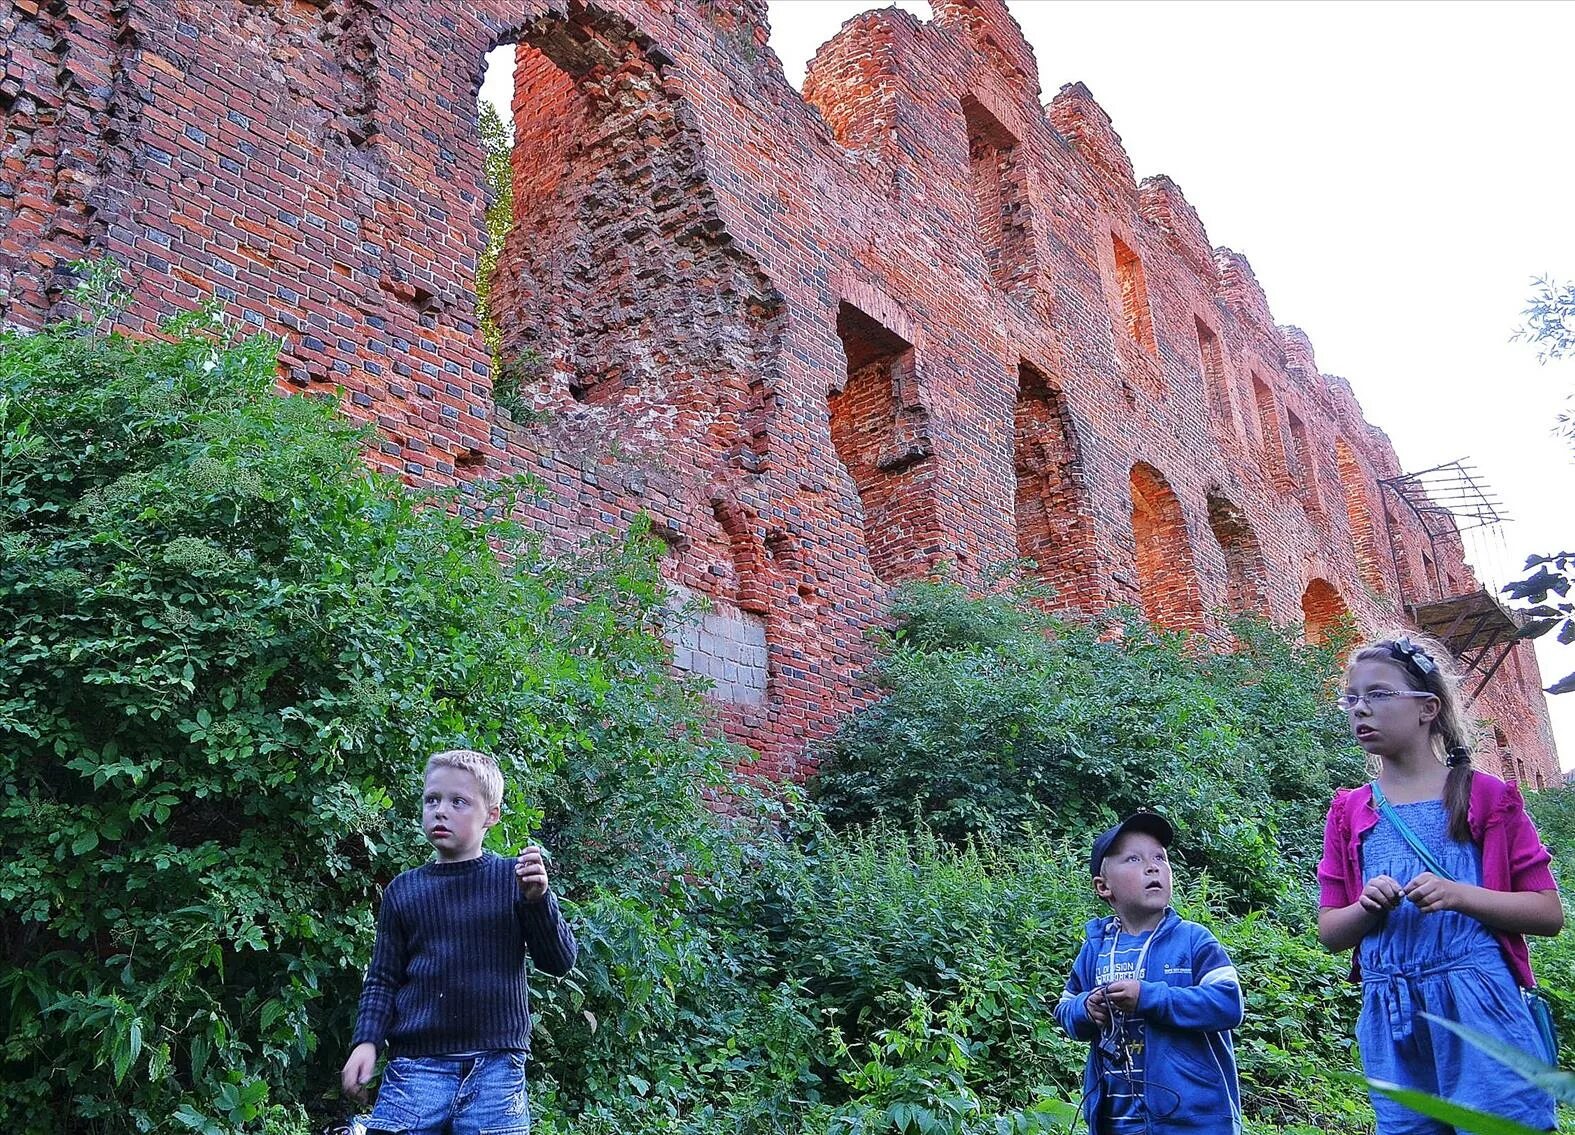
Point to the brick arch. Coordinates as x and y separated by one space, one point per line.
1322 610
1167 578
1245 575
1359 513
1054 515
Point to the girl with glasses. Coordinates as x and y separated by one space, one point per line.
1433 874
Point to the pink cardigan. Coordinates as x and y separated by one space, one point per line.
1513 858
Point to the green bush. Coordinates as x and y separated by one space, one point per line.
227 648
997 717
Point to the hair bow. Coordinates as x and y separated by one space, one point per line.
1414 655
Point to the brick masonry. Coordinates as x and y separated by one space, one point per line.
827 342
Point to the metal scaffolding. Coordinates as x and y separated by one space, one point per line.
1447 500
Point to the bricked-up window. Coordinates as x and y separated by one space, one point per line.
1322 610
1216 382
1429 577
1244 570
1054 515
1167 580
1134 296
1304 469
1364 539
1269 432
884 445
1000 196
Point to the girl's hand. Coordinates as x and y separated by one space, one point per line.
1382 895
1430 893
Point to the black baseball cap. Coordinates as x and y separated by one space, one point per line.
1149 822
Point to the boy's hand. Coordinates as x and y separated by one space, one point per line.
1430 893
358 1071
1097 1010
1383 894
530 871
1123 995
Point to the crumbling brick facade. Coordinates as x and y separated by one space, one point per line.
827 342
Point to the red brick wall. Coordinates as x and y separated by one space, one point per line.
826 341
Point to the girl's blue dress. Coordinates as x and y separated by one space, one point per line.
1446 964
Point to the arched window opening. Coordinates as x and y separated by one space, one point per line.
1323 610
883 443
1167 579
1364 537
496 121
1244 568
1054 516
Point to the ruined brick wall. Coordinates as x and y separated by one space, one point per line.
826 342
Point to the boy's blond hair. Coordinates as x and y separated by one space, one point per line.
480 765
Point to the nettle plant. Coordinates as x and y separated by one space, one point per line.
226 648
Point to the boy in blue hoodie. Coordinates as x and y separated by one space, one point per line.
1157 995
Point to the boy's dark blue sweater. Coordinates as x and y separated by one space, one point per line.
448 969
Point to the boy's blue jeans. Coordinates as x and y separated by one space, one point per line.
482 1093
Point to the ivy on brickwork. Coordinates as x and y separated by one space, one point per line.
1549 325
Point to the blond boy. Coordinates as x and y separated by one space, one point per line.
446 990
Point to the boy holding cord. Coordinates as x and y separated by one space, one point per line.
1157 995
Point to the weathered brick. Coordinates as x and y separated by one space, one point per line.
829 342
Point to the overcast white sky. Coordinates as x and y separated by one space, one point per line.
1396 172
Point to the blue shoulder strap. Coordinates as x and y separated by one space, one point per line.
1393 816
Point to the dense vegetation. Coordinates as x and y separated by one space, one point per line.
998 717
225 648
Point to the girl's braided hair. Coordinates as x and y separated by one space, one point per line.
1428 668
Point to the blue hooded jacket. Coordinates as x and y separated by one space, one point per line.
1189 1001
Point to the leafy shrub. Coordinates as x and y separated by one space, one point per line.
1553 959
885 982
227 648
997 716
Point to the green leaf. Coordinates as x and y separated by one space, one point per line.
1560 1085
1461 1118
191 1118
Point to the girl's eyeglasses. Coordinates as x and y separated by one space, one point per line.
1376 698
